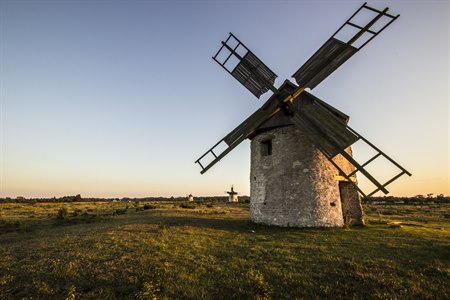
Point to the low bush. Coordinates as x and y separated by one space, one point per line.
150 290
149 206
62 214
188 205
260 288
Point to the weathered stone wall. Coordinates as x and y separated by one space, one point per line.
295 185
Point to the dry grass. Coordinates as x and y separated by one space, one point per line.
123 251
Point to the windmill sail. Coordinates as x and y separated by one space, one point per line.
329 132
327 59
288 91
233 139
332 137
335 52
245 66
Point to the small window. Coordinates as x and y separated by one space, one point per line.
266 147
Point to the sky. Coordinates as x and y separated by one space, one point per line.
119 98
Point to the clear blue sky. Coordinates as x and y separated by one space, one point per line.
119 98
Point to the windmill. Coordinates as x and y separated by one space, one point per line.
302 172
232 195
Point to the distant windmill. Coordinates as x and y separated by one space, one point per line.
232 195
302 172
190 198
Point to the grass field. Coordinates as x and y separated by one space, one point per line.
105 250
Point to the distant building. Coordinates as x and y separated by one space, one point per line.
232 195
190 198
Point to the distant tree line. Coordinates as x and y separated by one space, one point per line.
428 198
78 198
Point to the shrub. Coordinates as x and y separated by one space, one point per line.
149 206
76 212
121 211
62 214
188 205
150 290
260 287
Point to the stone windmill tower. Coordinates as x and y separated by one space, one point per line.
302 172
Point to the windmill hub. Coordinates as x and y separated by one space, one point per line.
302 172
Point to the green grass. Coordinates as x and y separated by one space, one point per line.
215 252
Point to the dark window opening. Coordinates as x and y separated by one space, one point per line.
266 147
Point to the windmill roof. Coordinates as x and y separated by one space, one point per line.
283 119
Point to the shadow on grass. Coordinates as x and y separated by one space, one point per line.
225 224
165 218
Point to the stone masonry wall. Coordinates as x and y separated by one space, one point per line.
295 186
